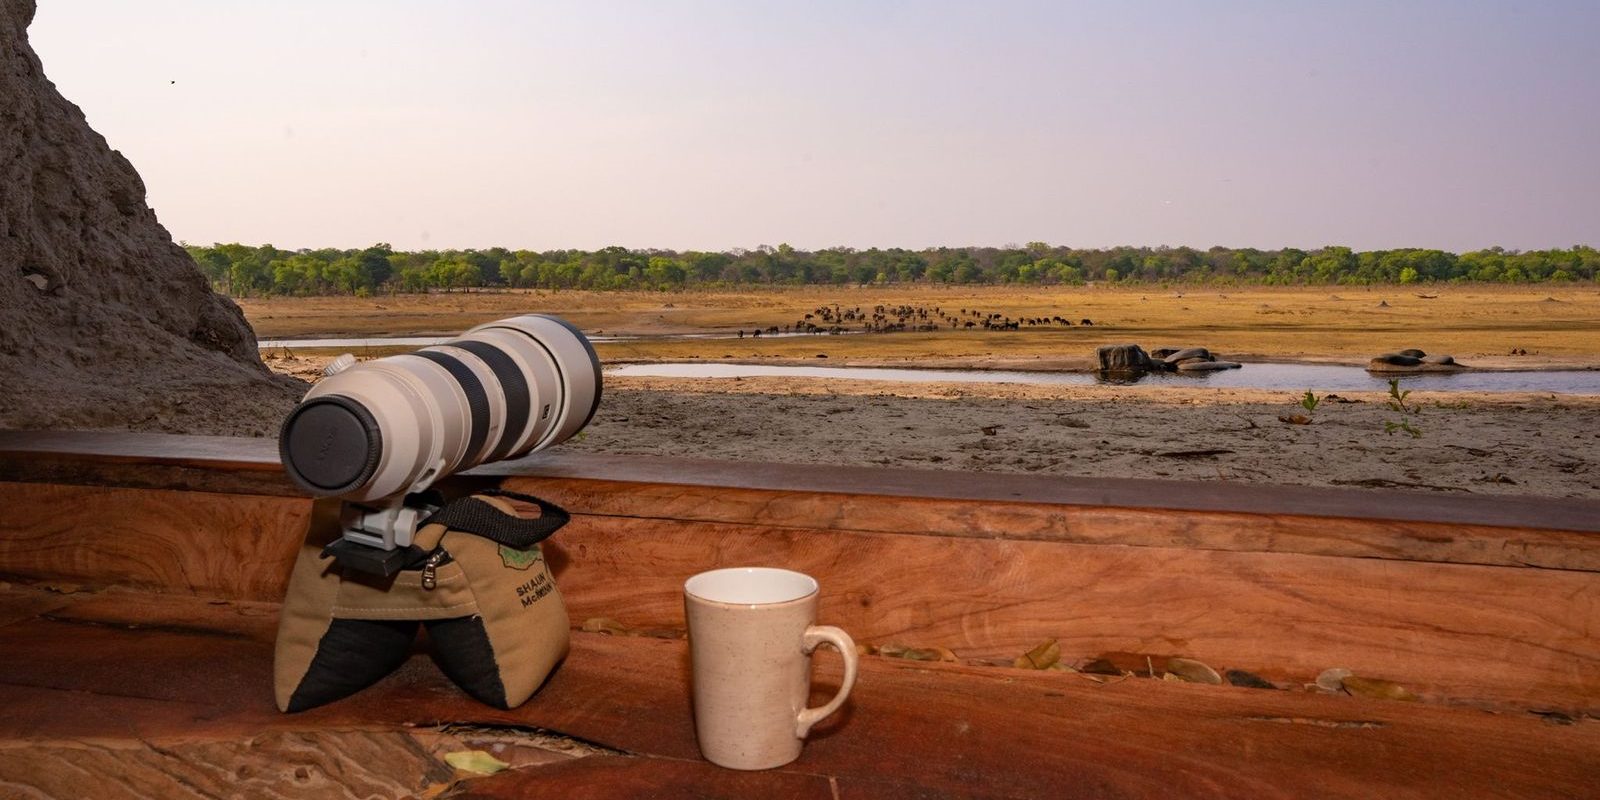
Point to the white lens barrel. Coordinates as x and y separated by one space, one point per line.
393 425
447 405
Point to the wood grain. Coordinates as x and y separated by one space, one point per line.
133 610
984 565
1499 636
1403 540
237 546
1254 498
1460 633
18 603
608 777
960 731
298 765
925 730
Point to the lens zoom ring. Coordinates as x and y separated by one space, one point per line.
512 382
477 398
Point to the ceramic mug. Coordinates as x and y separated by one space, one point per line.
751 634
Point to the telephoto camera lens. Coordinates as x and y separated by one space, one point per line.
393 425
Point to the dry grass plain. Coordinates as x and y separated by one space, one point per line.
1556 324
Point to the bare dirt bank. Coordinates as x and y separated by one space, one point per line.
1470 443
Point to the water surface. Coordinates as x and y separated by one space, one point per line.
1297 377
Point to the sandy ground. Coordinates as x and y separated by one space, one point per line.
1470 443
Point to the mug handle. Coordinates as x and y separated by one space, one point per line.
814 636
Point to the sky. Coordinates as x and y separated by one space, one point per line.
715 125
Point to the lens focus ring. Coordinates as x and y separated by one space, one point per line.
512 383
477 398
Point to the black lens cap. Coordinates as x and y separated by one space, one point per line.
330 444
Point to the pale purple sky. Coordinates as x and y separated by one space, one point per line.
714 125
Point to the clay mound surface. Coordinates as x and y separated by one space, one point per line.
104 321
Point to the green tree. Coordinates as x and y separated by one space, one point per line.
375 266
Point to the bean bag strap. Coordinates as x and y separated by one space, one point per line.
472 515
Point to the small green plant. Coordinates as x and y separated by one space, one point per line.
1397 397
1390 426
1309 403
1397 402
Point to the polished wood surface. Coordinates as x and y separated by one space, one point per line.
1492 636
170 674
1497 636
227 545
165 557
1241 531
1485 614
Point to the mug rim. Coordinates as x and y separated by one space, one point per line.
810 581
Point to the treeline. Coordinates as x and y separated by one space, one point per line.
243 270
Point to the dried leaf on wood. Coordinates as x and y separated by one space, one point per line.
475 761
1193 671
606 625
662 633
1105 680
1041 657
916 653
1377 688
1332 679
1239 677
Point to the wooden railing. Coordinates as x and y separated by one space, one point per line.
1467 601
